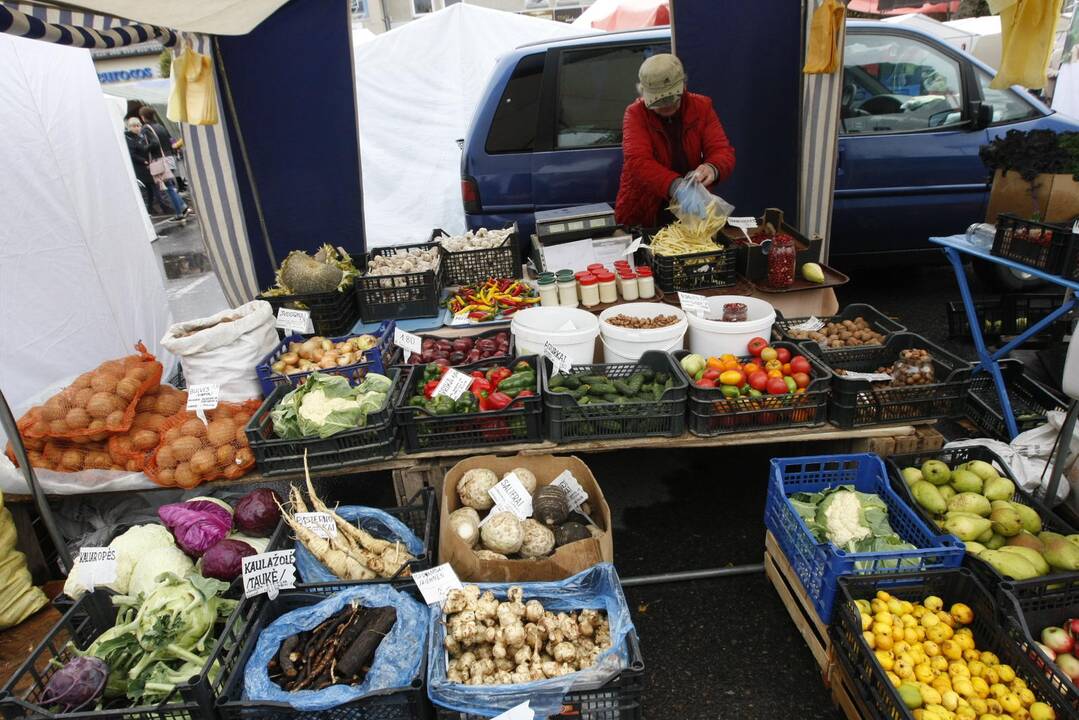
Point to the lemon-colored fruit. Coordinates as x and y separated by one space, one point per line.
989 658
893 678
930 620
1041 711
884 642
1026 697
965 713
885 659
972 654
939 663
1011 703
962 613
958 669
998 690
933 603
903 669
951 650
1006 673
979 705
924 672
929 695
981 687
870 639
911 695
950 700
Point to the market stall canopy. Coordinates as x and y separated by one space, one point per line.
903 7
985 42
614 15
412 114
216 17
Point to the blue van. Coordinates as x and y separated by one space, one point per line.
548 134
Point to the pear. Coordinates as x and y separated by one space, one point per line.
1032 556
966 481
936 472
1025 539
970 502
1032 522
1060 552
986 537
974 547
928 496
1009 564
1074 539
998 488
1006 521
982 469
912 475
995 541
813 273
947 492
966 527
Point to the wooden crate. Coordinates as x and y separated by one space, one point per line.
798 604
846 696
924 437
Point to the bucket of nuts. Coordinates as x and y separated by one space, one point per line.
629 329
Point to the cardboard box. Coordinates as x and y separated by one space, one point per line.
1054 197
566 560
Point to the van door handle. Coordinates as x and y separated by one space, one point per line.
841 153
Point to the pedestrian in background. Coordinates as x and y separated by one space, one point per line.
138 149
161 168
151 120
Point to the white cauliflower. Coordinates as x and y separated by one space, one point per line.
843 519
316 407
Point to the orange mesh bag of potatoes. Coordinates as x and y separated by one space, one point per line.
192 452
130 450
100 402
62 455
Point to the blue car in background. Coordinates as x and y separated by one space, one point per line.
548 135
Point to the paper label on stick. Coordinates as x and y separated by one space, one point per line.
633 247
201 398
518 712
436 583
408 342
510 495
871 377
453 384
268 573
460 320
558 358
744 223
575 494
298 321
97 566
696 304
319 523
811 325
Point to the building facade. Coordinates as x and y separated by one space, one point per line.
125 64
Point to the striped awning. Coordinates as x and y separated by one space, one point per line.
78 29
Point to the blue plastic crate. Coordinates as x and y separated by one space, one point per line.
820 564
377 360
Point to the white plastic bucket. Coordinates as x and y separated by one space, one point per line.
712 338
626 345
571 330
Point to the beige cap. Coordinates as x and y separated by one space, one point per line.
662 79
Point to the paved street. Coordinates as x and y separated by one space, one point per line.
191 284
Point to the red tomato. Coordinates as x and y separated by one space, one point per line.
705 383
800 365
783 355
758 380
711 374
756 345
776 386
800 379
786 369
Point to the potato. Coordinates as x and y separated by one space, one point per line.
97 460
82 397
58 427
53 410
221 432
115 419
77 418
185 447
103 382
244 457
185 477
53 452
193 428
166 476
139 372
166 458
147 404
203 462
71 460
100 405
82 381
144 439
225 456
241 435
127 388
172 435
233 471
148 421
97 424
170 403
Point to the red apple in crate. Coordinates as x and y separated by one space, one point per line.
1069 666
1058 640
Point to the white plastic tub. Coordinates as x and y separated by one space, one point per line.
571 330
712 338
626 345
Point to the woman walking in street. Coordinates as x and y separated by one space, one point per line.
160 165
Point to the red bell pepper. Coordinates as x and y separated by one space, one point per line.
477 374
497 375
498 401
523 394
429 388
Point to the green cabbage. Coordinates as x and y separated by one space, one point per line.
325 405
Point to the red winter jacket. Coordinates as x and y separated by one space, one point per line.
646 166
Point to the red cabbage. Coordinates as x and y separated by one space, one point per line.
257 513
224 560
197 525
78 683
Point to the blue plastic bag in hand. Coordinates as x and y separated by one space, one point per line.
597 588
690 202
396 664
378 523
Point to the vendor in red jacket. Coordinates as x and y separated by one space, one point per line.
667 134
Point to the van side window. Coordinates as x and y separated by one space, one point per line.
1008 105
513 128
594 88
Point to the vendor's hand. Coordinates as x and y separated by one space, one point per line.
704 174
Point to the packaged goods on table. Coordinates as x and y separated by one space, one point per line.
19 598
491 300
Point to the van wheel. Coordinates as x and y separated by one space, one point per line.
999 277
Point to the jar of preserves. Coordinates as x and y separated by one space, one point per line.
735 312
548 291
567 288
608 291
646 284
627 284
781 261
589 285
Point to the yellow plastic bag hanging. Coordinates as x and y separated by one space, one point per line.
825 31
1027 30
177 108
193 99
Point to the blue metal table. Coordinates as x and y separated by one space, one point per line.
954 248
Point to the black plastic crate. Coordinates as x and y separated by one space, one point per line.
408 703
1049 247
711 414
332 313
986 574
409 295
1030 401
1009 315
92 615
877 320
952 586
618 699
569 421
861 693
474 266
520 423
1026 611
377 440
376 360
857 403
693 271
397 359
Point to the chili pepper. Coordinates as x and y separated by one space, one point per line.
498 400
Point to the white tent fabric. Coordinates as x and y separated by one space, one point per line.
985 42
412 113
79 282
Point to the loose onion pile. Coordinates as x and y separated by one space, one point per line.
192 452
319 353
